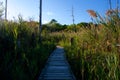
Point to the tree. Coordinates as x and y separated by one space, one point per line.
53 26
53 21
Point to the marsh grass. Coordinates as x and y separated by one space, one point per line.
22 56
92 52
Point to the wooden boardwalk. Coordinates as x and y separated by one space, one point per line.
57 67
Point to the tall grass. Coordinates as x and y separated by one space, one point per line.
95 56
22 57
93 52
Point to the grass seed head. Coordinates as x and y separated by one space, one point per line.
109 12
92 13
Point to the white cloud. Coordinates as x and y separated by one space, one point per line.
45 21
50 13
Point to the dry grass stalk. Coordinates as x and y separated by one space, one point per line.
109 12
92 13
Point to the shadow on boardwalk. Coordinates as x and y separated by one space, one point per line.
57 67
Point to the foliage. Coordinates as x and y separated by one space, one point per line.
93 52
92 49
22 56
95 55
53 26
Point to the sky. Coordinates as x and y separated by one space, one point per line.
61 10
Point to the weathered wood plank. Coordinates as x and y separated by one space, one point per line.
57 67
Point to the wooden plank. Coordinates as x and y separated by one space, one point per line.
57 67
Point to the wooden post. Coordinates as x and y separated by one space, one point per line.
118 48
72 40
6 10
40 21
